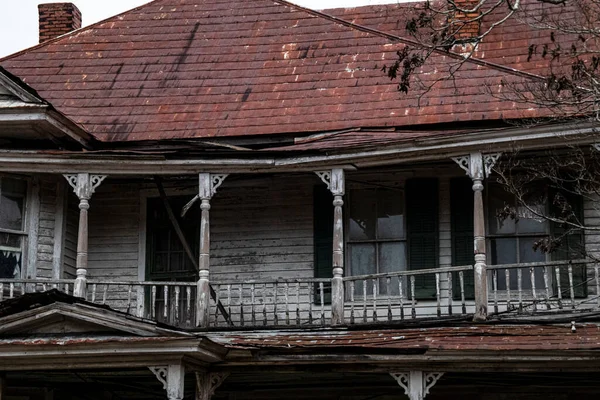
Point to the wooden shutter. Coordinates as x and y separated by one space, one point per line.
422 232
568 249
323 237
461 220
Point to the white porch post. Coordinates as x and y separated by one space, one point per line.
478 167
416 384
84 186
172 377
208 184
335 182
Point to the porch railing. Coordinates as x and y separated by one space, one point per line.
377 298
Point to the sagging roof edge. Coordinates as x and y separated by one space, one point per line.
417 150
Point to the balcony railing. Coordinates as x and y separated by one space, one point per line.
369 299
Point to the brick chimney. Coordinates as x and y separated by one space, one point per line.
466 30
57 19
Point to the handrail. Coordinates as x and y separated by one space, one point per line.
409 273
538 264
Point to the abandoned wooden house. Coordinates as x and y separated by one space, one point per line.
229 199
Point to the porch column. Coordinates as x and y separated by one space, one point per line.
172 377
478 167
334 180
84 185
208 187
416 384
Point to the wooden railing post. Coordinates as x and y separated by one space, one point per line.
84 186
335 182
478 167
208 184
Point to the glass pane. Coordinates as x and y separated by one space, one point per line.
362 259
528 219
392 258
10 256
390 214
498 200
504 250
11 212
15 187
526 252
362 214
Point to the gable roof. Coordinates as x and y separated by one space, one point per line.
226 68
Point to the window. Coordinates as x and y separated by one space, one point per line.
376 231
12 226
512 238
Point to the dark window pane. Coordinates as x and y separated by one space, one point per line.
390 214
392 258
498 200
362 215
362 259
11 212
504 250
10 256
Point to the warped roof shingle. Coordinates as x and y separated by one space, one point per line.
225 68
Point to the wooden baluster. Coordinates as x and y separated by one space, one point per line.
264 308
94 288
413 310
129 289
229 300
311 299
177 293
166 302
533 288
297 303
188 305
67 288
558 287
364 300
507 278
388 281
520 288
217 289
495 289
401 291
11 291
438 294
351 283
375 299
597 285
275 317
105 294
547 286
450 294
153 305
286 288
2 289
571 287
322 296
242 322
43 287
461 278
252 300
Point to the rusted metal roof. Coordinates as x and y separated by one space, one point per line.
464 338
227 68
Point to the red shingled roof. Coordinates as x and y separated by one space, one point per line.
209 68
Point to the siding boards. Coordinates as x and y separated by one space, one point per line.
70 248
45 243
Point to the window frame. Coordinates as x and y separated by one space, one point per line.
24 233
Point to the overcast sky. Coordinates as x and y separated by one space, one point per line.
19 18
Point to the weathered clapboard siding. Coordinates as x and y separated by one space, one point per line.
114 218
71 226
46 228
263 228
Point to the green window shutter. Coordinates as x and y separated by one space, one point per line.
572 247
422 232
461 221
323 237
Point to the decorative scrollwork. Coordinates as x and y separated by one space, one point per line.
430 380
216 180
84 184
72 180
208 383
96 180
464 162
161 374
403 380
489 160
325 176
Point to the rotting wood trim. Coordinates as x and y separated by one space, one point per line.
186 246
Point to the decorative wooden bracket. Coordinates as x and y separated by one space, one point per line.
416 384
209 183
84 184
478 166
172 377
334 179
207 383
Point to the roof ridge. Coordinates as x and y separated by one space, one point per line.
362 28
76 31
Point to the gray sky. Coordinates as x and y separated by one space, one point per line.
19 18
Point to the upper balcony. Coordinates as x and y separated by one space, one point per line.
340 247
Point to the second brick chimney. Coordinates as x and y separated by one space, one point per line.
466 24
57 19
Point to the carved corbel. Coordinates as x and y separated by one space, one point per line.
477 166
84 184
172 377
207 383
416 384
